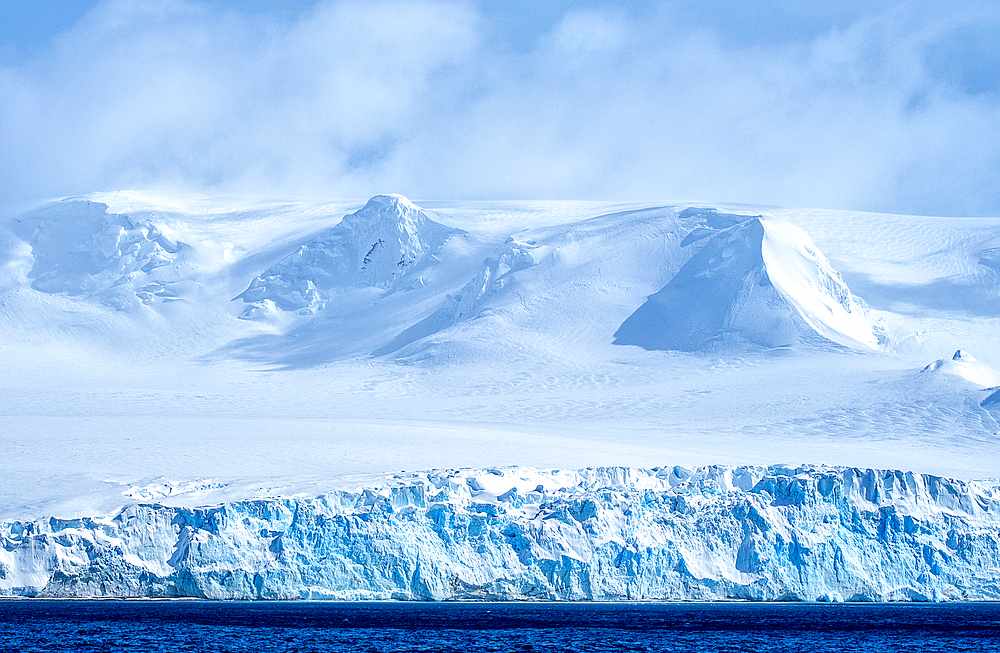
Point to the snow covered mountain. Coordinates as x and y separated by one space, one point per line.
963 365
382 336
381 245
760 281
80 249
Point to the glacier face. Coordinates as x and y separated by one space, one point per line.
758 533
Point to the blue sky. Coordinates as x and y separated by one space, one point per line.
880 105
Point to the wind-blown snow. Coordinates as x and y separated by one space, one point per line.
776 533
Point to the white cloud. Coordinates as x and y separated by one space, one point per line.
895 109
587 32
171 92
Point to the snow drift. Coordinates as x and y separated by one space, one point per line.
776 533
964 366
378 246
761 282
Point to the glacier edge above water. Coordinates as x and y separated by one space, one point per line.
751 533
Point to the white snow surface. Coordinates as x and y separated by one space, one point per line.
803 276
965 366
131 377
761 282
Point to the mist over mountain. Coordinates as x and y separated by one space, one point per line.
876 106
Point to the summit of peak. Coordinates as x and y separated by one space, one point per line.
962 355
374 247
386 211
390 201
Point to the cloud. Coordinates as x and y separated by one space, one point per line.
179 93
588 33
876 106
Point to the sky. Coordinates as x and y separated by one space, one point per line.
882 105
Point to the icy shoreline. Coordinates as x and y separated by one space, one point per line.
607 534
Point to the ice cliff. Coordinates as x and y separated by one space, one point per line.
377 246
776 533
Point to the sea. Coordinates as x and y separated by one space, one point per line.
140 625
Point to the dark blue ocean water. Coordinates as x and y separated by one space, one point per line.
470 627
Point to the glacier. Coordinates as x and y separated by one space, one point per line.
213 397
778 533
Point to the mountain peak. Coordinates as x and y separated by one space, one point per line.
386 209
962 355
389 200
373 247
761 282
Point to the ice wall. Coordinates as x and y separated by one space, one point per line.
777 533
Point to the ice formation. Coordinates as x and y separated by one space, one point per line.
759 281
497 329
376 246
775 533
80 249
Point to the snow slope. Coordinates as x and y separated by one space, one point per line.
761 282
131 377
964 366
385 244
776 533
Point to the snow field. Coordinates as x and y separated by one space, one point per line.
498 348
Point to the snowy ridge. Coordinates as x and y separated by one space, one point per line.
376 246
806 280
964 366
761 282
80 249
774 533
495 273
513 257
